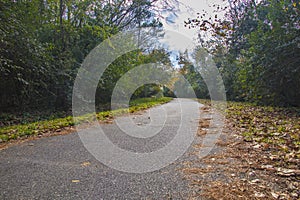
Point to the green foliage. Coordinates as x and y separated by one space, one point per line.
256 48
21 56
122 65
268 69
192 76
43 43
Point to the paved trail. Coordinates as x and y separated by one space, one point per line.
60 167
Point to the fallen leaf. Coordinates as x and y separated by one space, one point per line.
287 172
266 166
85 164
260 195
255 181
275 195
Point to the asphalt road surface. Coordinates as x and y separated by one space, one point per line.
60 167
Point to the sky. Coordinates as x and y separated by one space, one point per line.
187 9
179 38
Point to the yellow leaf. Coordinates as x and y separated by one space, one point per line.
84 164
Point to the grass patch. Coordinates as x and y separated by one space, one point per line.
21 130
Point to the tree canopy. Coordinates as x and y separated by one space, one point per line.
256 47
43 43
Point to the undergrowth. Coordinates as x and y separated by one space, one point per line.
26 127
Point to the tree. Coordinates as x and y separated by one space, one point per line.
259 50
43 43
22 55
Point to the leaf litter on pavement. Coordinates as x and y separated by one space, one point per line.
258 155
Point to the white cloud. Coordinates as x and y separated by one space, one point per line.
177 41
187 9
